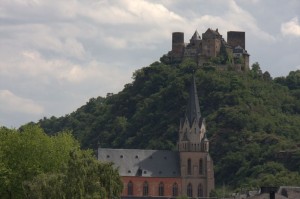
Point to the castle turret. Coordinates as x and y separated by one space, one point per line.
177 45
236 38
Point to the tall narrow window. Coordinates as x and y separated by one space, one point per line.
145 188
130 188
175 189
189 167
189 190
200 190
200 167
161 189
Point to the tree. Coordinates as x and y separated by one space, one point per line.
35 165
83 177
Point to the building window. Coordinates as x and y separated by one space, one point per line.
200 167
189 167
175 189
130 188
189 190
161 189
200 190
145 188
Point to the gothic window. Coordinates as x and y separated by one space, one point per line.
200 167
161 189
189 190
175 189
145 188
130 188
189 167
200 190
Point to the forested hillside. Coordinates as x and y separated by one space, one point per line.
253 121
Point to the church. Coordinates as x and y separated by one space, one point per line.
168 174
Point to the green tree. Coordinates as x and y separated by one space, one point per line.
35 165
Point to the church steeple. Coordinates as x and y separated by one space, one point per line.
192 128
193 109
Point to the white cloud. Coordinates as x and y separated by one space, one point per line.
291 27
60 53
246 21
13 103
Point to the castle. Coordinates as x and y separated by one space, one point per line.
168 174
211 49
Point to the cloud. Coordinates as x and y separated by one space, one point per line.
291 27
13 103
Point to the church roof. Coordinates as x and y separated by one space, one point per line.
193 109
137 162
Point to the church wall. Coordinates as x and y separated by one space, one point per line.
195 177
153 183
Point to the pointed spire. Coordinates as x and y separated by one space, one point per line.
196 36
193 109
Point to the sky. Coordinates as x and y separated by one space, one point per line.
56 55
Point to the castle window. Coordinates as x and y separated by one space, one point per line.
189 167
175 189
161 189
130 188
200 190
189 190
200 167
145 188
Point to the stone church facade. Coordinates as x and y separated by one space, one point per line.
158 173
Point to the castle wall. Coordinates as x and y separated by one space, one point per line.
211 47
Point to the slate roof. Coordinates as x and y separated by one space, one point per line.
196 36
239 49
137 162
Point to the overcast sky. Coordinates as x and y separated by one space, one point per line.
56 55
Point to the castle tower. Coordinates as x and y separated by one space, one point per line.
177 45
236 38
196 165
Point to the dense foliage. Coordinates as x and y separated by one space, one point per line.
253 120
35 165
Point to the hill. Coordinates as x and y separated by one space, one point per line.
253 120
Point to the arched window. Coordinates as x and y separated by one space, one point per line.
130 188
175 189
145 188
200 167
200 190
189 167
189 190
161 189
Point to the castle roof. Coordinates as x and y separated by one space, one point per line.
210 33
193 108
137 162
196 36
239 49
